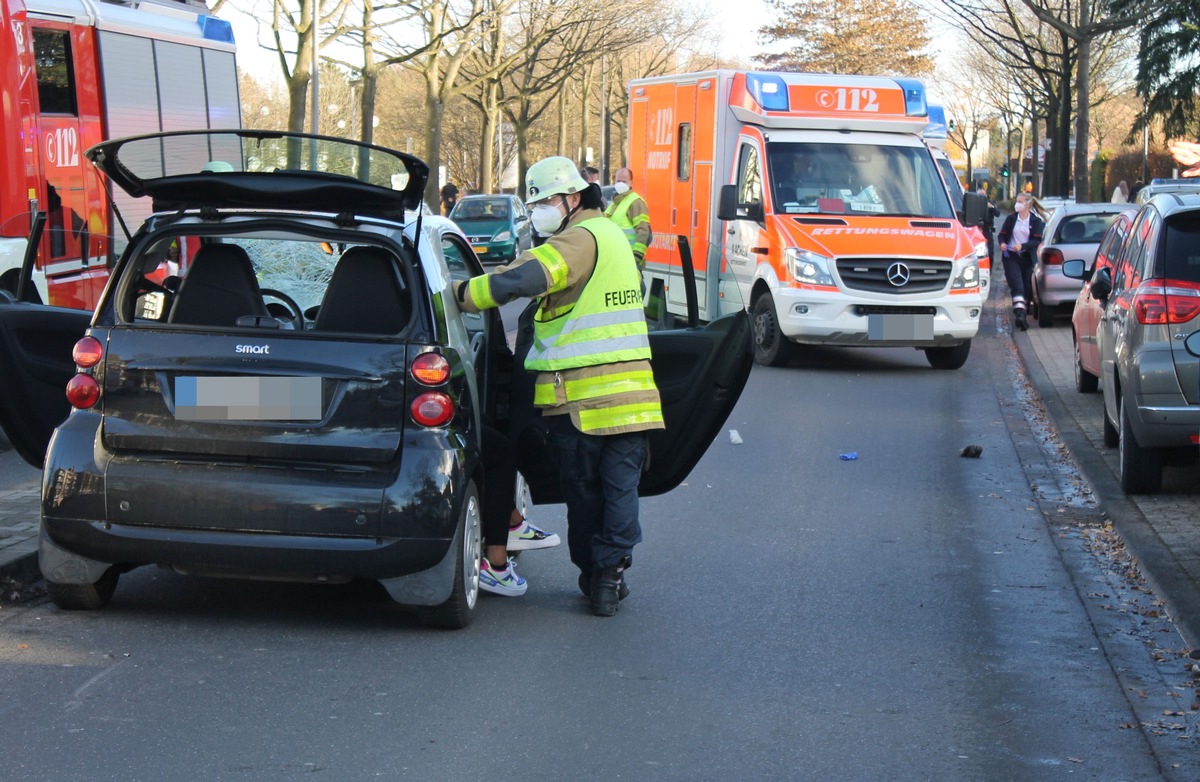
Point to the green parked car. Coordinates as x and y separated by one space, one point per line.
496 225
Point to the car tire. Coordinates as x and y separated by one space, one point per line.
85 597
952 357
459 609
771 347
1085 382
1045 315
1141 468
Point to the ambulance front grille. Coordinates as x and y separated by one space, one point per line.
894 275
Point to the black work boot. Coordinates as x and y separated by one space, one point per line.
1022 324
585 586
605 591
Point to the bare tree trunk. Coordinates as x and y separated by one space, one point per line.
562 125
585 93
434 109
487 142
1082 92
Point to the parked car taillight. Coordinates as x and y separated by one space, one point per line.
430 369
432 408
87 352
1159 302
82 390
1052 257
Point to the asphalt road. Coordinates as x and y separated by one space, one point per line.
908 614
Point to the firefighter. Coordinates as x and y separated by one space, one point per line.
629 211
591 353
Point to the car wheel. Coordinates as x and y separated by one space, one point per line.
85 597
771 347
459 609
1085 382
1045 315
1141 468
952 357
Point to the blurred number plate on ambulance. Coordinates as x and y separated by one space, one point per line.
899 327
248 398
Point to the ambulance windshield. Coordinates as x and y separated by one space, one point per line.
861 179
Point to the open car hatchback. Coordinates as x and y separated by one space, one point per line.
277 382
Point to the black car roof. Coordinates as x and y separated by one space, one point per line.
263 169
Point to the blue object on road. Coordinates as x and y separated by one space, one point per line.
849 457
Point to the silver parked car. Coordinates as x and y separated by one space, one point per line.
1151 303
1072 233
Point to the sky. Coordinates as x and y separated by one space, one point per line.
737 22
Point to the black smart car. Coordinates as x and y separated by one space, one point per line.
277 383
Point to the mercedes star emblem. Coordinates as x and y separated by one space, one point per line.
898 274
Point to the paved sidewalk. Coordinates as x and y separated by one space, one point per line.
1161 530
18 531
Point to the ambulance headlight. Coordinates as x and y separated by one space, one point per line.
809 268
981 250
968 273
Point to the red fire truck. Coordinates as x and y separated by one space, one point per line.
74 73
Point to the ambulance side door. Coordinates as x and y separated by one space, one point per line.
744 245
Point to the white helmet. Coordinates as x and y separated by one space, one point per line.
552 176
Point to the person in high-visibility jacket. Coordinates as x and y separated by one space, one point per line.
629 211
591 352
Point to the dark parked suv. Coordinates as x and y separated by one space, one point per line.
303 401
1151 303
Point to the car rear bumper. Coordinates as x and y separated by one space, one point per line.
1167 426
1055 289
241 554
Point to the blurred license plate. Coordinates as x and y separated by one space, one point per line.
248 398
479 250
900 327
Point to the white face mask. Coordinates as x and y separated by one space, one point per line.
546 219
1021 207
621 187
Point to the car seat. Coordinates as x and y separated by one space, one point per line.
366 295
218 289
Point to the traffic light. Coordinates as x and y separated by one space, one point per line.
1004 171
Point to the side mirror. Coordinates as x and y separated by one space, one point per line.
1101 285
1075 269
1192 343
520 219
974 210
728 207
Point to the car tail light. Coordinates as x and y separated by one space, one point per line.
83 391
1159 302
430 369
432 408
87 352
1052 257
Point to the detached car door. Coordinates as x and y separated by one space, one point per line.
36 343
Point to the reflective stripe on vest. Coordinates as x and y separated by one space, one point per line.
595 387
607 324
621 415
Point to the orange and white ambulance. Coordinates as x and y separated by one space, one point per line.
811 198
74 73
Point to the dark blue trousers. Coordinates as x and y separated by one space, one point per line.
599 475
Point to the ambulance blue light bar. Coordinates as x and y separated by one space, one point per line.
215 29
914 97
769 89
937 128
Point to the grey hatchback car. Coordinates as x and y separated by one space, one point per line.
1151 304
304 402
1073 232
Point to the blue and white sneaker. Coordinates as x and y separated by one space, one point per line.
526 536
501 582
